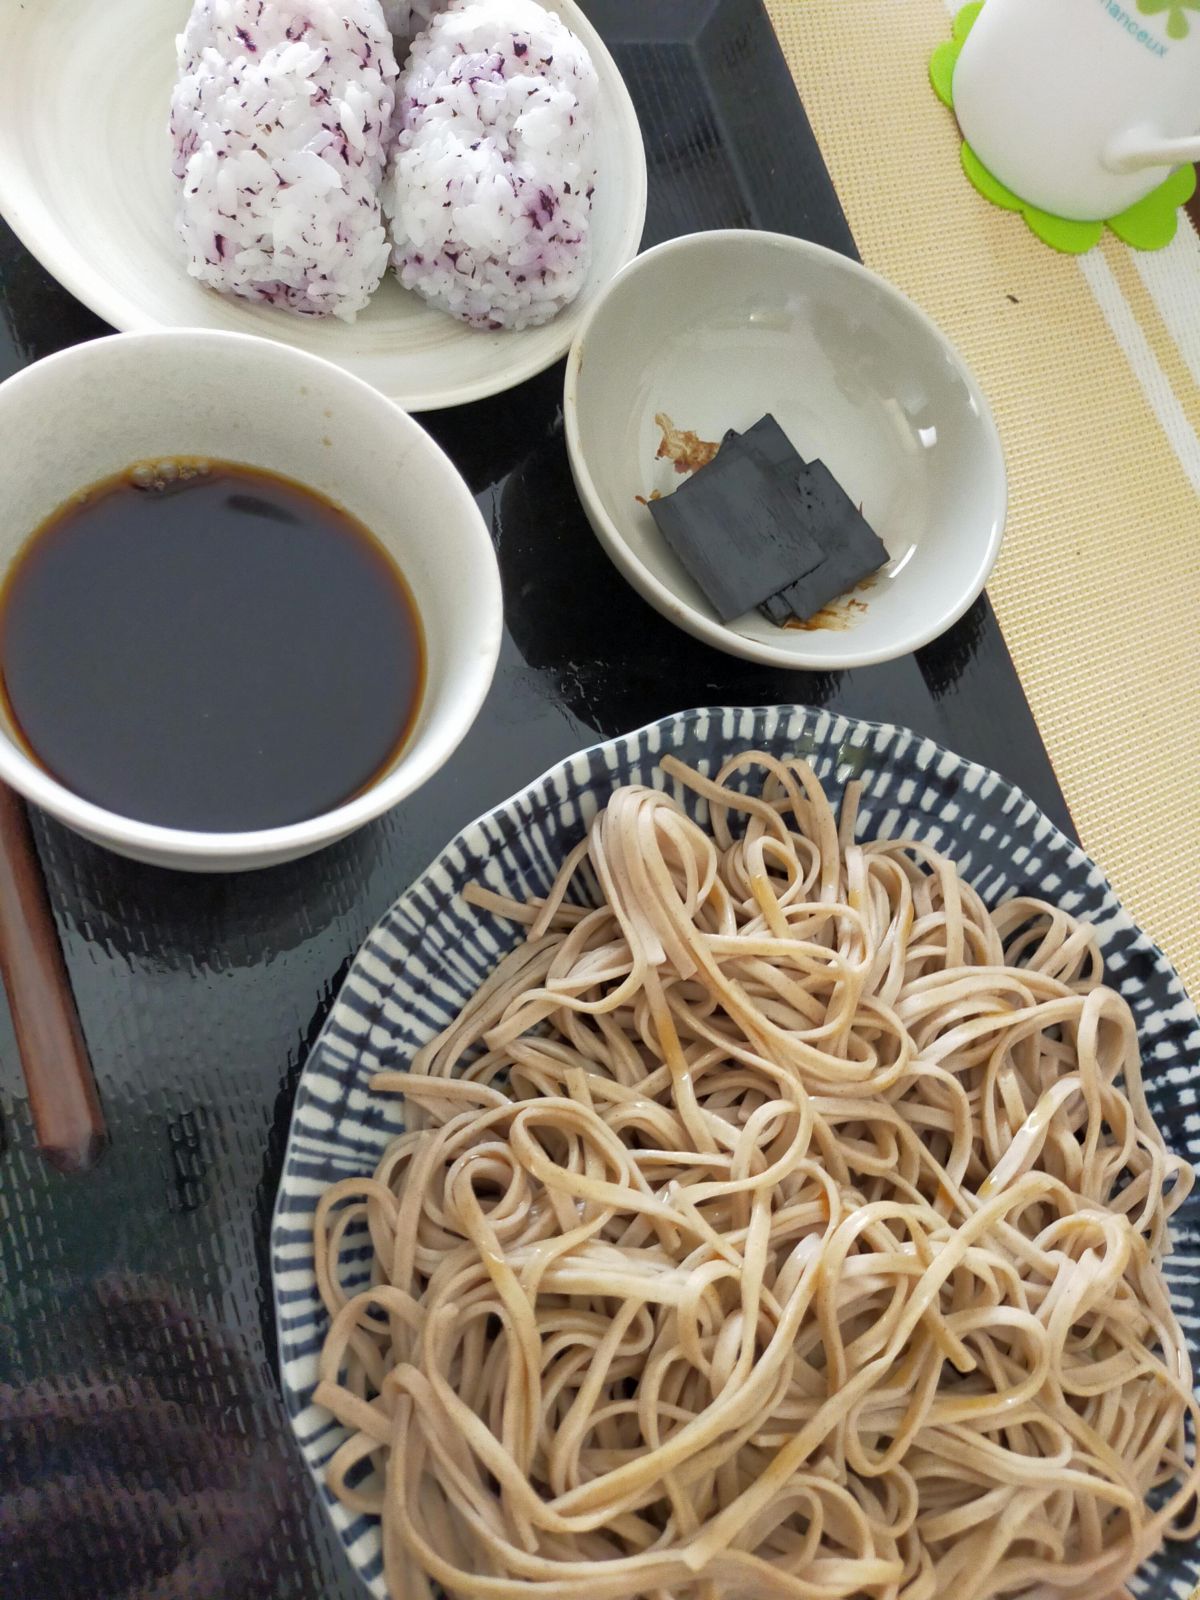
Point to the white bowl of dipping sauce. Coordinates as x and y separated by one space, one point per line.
717 329
93 412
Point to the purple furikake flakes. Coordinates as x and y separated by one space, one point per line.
298 92
489 127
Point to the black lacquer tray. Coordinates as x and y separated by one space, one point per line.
144 1453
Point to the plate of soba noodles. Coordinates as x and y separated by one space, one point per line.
752 1161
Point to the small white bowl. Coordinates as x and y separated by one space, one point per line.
85 181
716 329
84 415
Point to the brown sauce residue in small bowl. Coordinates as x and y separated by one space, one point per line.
839 616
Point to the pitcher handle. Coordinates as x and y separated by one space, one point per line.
1141 147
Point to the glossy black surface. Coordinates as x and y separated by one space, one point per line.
143 1451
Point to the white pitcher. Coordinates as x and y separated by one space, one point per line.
1081 107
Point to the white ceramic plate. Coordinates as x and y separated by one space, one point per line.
718 328
85 181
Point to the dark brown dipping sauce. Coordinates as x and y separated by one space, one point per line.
211 648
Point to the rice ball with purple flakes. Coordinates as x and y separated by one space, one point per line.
281 122
490 192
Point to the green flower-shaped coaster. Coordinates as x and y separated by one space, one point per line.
1148 225
1177 10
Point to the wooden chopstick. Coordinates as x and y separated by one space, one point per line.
63 1098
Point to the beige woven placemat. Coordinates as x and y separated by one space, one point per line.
1093 367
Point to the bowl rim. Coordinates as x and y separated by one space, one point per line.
422 758
667 600
51 244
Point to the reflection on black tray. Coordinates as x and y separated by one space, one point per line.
81 1516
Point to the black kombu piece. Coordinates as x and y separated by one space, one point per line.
853 551
734 527
767 441
761 527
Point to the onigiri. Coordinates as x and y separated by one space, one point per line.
490 189
281 122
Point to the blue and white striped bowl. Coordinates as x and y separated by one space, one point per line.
431 951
